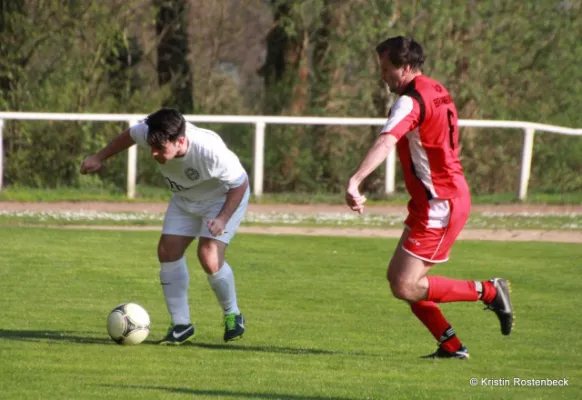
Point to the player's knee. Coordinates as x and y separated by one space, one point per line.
168 253
210 265
209 259
403 290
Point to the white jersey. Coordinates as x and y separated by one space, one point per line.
207 170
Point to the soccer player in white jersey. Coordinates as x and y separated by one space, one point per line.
211 193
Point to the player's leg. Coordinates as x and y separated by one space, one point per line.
220 275
432 241
221 279
407 277
422 245
428 242
178 232
211 253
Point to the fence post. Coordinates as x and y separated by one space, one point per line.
526 156
390 172
131 167
1 153
258 158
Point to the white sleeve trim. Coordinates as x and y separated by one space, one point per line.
403 106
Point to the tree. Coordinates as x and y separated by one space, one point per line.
172 51
11 63
125 54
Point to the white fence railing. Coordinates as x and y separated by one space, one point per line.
261 122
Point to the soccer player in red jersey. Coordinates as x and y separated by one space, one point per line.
422 125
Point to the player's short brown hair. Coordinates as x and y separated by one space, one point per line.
402 50
164 125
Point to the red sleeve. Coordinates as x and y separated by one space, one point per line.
404 117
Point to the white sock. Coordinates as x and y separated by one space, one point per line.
174 279
222 282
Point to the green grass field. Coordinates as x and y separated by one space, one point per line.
321 323
155 194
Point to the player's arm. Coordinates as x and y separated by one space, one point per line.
226 167
375 156
234 197
121 142
404 117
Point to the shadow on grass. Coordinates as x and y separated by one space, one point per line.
86 338
59 336
228 393
280 350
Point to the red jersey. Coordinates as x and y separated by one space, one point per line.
424 120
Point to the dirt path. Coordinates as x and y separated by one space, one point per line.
468 234
266 208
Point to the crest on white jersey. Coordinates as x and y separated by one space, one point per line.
192 174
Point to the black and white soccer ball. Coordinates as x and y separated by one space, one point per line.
128 323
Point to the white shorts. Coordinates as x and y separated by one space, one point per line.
190 218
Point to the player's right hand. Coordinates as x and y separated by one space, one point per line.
354 199
91 164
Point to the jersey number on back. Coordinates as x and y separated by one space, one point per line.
450 116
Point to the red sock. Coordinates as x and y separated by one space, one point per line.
489 292
445 290
429 313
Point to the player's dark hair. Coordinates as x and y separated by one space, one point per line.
165 125
402 50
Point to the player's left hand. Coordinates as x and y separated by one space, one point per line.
216 226
354 199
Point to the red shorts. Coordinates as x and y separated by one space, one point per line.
433 229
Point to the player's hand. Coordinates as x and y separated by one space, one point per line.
354 199
91 164
216 226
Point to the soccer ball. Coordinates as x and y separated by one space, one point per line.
128 323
